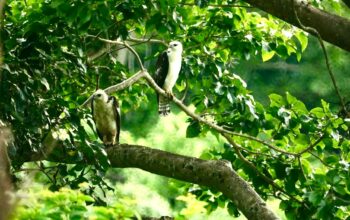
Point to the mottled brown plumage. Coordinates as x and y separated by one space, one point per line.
106 115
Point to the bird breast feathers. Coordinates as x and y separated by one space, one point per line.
104 116
173 72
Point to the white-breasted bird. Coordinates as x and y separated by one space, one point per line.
106 115
168 69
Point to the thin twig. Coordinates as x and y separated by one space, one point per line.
315 32
186 91
267 179
42 169
324 163
98 54
312 145
123 44
149 40
126 83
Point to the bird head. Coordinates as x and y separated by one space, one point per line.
100 95
175 47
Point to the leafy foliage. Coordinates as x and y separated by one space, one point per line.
53 59
71 204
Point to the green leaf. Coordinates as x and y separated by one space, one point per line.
267 55
276 100
303 139
193 130
303 39
318 112
296 104
232 210
315 197
331 160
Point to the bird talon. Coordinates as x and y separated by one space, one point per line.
169 95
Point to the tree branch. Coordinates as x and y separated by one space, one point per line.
215 174
149 40
317 34
125 84
332 28
118 42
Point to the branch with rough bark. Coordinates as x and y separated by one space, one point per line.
215 174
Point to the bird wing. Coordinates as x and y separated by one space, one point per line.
93 117
116 110
162 69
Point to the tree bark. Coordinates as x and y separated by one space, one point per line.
215 174
332 28
5 183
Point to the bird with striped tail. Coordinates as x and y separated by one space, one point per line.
168 69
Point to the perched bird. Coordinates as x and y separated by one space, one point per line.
106 115
168 69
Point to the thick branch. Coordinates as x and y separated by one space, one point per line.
332 28
215 174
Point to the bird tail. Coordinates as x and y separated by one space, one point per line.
163 106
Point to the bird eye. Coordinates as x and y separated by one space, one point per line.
98 95
175 45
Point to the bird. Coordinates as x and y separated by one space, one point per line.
106 115
168 67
